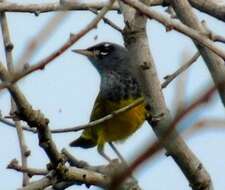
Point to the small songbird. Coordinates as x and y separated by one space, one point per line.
119 87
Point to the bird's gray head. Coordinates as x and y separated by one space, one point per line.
106 56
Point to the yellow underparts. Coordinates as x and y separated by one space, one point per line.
119 127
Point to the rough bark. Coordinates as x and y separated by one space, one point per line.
136 39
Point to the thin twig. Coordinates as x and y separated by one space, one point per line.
39 39
9 60
209 123
212 35
14 164
185 66
81 127
108 21
12 124
101 120
179 99
177 25
73 38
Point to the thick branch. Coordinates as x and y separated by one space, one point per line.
211 7
157 145
49 7
214 63
136 39
34 118
201 36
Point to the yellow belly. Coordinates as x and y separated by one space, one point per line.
120 126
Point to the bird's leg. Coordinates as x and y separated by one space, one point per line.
100 149
117 153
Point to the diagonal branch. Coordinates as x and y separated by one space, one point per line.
45 61
39 39
171 77
136 39
214 63
157 145
34 119
200 36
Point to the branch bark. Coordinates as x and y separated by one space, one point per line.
9 61
136 39
210 7
45 61
214 63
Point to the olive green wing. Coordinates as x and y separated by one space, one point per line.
99 109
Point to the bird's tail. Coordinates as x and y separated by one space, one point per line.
83 143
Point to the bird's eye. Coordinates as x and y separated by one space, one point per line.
104 53
105 49
102 50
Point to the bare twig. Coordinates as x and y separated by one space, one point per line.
176 25
179 97
34 118
211 34
39 39
214 62
12 124
136 38
49 7
73 38
81 127
9 60
7 41
213 123
171 77
14 164
101 120
108 21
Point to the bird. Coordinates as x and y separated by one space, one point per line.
119 87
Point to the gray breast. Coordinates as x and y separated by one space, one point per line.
117 86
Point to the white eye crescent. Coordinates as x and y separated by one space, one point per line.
104 53
106 45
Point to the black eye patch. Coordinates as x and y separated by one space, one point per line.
102 49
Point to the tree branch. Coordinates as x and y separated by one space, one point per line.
202 183
200 37
9 60
211 7
81 127
73 38
136 39
34 118
171 77
14 165
214 63
101 120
